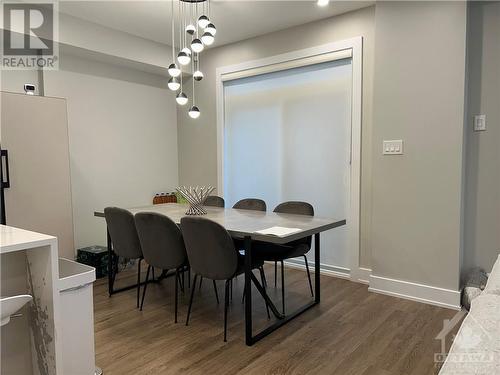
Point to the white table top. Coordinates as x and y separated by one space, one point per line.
15 239
241 223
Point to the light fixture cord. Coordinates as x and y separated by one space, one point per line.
173 32
194 101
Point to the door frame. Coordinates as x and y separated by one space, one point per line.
352 48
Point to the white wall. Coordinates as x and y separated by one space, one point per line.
122 135
123 143
198 138
418 97
482 199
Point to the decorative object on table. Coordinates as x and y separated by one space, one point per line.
192 30
161 198
180 198
195 196
95 256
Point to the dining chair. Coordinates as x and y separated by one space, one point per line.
278 253
250 204
253 204
214 201
162 247
212 255
124 239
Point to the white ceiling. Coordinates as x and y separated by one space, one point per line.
235 20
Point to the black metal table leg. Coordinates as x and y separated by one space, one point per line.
110 264
251 339
248 291
317 292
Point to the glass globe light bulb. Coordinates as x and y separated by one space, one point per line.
203 21
194 112
183 58
173 84
197 45
198 75
181 98
211 29
190 29
207 39
174 70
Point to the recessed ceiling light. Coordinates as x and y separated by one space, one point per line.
323 3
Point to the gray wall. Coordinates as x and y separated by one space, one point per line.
197 139
418 97
482 199
122 127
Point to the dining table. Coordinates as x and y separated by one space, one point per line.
247 225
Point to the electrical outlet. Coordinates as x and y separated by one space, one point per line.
394 147
479 123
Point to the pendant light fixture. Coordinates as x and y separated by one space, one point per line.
173 84
181 98
196 30
194 111
211 29
207 38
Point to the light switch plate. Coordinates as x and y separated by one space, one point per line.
479 123
394 147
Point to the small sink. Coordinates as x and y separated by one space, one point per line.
9 305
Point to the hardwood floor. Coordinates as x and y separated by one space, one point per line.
352 331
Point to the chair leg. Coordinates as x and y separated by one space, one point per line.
189 277
201 281
153 269
283 286
145 286
114 269
231 287
176 293
275 273
263 278
180 280
138 281
309 276
226 304
191 299
215 290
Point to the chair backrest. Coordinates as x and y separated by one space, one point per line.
214 201
161 240
251 204
121 228
210 248
297 208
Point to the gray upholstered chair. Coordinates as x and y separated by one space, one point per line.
250 204
124 239
279 253
253 204
162 247
214 201
211 255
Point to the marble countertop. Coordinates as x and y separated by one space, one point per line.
15 239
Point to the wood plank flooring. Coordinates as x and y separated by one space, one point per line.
352 331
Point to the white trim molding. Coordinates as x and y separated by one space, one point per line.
325 269
348 48
416 292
